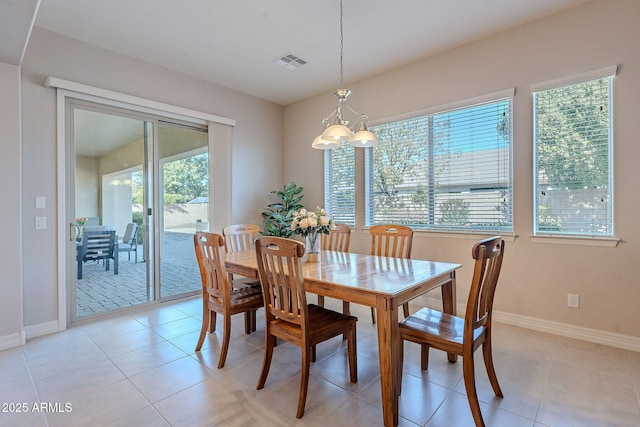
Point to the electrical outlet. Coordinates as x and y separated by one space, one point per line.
573 300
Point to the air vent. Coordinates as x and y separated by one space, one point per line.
290 61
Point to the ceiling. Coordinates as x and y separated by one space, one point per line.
234 43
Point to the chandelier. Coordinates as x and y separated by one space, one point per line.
334 134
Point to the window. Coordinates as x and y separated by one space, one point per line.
449 170
339 183
572 157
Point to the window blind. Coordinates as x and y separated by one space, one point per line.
339 184
573 176
446 170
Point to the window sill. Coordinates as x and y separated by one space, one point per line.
466 235
607 242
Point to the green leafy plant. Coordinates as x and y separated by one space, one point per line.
279 215
454 212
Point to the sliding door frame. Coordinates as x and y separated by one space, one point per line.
220 132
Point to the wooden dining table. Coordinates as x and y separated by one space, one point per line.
381 282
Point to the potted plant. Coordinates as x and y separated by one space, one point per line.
279 215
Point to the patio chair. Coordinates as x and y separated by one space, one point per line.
97 245
130 241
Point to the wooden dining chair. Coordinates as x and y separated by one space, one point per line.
238 238
338 240
393 241
218 295
432 328
289 317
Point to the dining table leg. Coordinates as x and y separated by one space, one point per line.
388 342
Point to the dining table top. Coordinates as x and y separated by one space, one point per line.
353 277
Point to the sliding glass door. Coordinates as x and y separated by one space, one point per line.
137 195
184 204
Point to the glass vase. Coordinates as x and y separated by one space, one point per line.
312 247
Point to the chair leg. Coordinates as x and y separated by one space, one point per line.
304 380
400 364
424 357
254 320
212 322
226 335
320 300
247 322
468 373
373 315
488 363
206 319
270 342
353 355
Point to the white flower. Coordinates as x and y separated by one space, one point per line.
306 222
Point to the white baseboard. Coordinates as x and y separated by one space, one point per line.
40 329
11 340
596 336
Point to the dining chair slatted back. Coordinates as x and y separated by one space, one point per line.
289 317
238 238
338 240
463 336
391 240
217 294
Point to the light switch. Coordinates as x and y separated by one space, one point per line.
41 222
41 202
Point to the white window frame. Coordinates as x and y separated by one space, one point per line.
471 102
549 236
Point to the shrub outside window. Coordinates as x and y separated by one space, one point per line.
449 170
572 158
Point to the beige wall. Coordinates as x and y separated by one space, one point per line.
10 251
536 276
257 143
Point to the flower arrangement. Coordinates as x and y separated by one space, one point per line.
309 223
81 221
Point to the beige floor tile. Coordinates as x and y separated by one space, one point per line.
141 369
79 381
209 403
100 406
121 344
158 383
145 417
146 358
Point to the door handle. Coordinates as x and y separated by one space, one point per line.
74 231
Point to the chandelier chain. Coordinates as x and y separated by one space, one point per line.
341 48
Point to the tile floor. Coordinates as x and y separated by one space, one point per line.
139 369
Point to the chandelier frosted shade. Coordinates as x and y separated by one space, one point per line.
364 138
324 144
338 133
